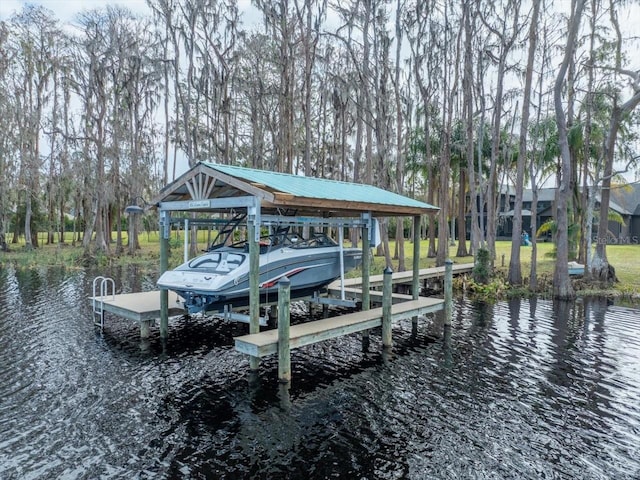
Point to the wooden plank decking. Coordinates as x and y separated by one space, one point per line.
405 277
266 343
374 295
138 306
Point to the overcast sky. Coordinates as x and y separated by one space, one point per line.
65 10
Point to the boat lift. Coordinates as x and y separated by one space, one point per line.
285 221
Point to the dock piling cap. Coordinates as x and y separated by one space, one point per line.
284 281
388 271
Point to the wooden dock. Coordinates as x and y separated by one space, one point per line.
266 343
375 296
375 281
394 307
140 306
143 307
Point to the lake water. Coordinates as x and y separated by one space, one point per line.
519 389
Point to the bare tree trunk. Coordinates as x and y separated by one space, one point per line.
562 288
431 251
467 82
586 222
600 264
399 143
462 210
515 272
506 41
445 159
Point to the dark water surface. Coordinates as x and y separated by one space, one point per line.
520 389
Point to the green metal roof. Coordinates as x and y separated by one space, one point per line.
319 188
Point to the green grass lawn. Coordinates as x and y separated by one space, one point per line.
625 258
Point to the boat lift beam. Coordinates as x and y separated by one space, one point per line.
277 220
209 204
229 315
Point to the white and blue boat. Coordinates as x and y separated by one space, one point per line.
220 277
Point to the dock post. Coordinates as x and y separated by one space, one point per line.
164 266
254 290
284 350
366 268
415 284
448 290
387 300
144 328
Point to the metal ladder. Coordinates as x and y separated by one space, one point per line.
98 301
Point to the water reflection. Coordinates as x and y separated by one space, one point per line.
517 389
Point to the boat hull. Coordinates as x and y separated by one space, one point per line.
308 270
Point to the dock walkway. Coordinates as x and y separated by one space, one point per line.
375 281
266 343
139 306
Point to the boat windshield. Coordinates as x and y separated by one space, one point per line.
284 238
218 262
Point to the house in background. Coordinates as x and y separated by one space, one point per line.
625 200
628 198
546 200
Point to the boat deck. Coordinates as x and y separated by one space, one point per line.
266 343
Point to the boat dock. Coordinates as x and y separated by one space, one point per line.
266 343
282 340
405 278
144 307
267 199
138 306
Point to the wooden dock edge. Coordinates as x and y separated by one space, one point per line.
266 343
139 306
405 277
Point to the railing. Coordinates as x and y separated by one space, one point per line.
98 300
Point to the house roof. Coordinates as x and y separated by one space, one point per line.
277 191
620 201
544 195
628 196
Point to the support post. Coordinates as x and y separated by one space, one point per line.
366 300
254 292
366 266
186 240
448 290
284 349
144 328
341 242
164 265
415 284
387 297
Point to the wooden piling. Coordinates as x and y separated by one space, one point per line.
415 284
366 299
164 265
254 290
448 290
145 328
387 341
366 269
284 349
